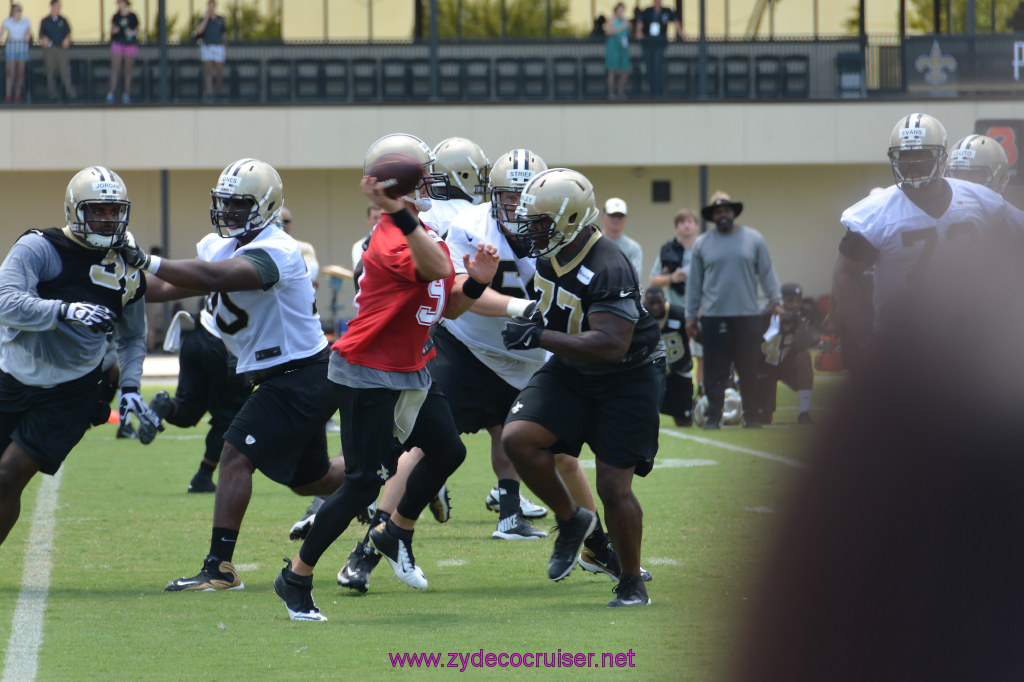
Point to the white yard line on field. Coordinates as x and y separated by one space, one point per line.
736 448
22 661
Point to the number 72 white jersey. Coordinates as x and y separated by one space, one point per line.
906 236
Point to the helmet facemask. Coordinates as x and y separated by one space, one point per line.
256 191
234 221
917 167
101 224
917 151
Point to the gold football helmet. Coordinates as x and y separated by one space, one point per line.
917 150
97 208
255 182
554 206
465 164
509 174
435 185
979 159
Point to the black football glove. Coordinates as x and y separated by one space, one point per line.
132 254
523 332
149 422
92 315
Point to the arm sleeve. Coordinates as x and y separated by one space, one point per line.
857 248
130 335
623 307
265 265
30 260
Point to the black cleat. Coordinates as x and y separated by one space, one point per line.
571 534
399 555
515 527
162 404
216 575
630 591
297 594
202 483
302 526
355 574
804 418
441 505
607 562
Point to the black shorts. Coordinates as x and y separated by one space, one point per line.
208 382
478 397
47 422
367 421
616 414
281 426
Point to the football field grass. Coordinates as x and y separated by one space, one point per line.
123 527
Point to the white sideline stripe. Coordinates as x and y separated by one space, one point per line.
736 448
22 661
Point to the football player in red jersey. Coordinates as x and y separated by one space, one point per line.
384 392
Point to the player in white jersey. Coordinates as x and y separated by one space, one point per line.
207 382
264 310
896 230
467 168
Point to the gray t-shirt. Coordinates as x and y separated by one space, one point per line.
725 271
38 349
634 252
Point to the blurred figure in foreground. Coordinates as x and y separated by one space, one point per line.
900 554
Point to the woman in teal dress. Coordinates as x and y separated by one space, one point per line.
616 52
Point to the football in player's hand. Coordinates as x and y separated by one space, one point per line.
399 172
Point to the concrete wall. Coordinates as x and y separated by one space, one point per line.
795 167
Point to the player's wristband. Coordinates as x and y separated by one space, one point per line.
473 289
129 389
517 307
152 265
404 221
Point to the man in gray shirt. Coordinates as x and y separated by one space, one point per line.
726 267
614 220
62 292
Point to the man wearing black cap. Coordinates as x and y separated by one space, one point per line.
726 266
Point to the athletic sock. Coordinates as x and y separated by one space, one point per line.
380 516
598 539
222 543
805 400
206 469
508 498
397 532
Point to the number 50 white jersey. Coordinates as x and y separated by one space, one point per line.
266 328
481 334
905 236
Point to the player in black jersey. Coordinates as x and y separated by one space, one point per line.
678 400
63 293
603 383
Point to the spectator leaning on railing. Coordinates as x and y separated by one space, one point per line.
211 32
55 37
18 31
